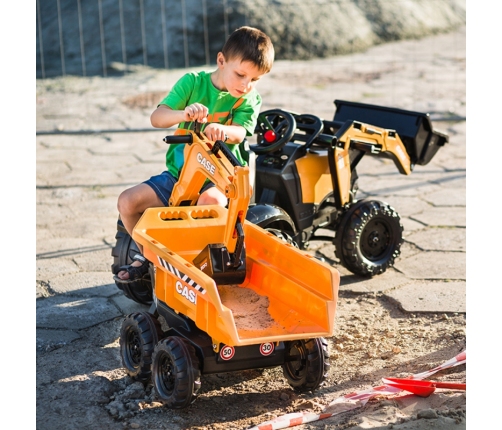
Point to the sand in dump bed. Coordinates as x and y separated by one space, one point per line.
250 310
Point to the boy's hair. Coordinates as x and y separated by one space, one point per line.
250 44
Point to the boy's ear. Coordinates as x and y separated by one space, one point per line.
220 59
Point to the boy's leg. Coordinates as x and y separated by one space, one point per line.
212 196
131 205
155 193
133 202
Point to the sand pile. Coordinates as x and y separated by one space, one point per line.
250 310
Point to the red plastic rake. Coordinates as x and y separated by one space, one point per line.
422 388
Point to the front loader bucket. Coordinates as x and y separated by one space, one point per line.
286 294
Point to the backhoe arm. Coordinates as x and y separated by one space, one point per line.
214 161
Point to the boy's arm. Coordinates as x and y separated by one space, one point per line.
165 117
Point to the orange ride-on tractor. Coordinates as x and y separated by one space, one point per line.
304 178
231 295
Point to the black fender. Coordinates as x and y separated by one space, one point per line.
267 216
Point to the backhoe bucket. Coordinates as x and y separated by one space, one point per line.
286 294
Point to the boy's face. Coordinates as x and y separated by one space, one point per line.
236 76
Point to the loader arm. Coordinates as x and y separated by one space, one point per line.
370 139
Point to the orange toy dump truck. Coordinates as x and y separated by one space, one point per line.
232 295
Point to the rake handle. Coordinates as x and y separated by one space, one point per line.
453 385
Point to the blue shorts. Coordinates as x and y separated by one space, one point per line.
163 185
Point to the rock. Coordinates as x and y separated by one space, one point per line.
284 396
134 391
427 413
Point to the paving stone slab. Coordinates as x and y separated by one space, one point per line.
47 339
77 177
440 216
410 226
72 313
128 306
53 212
396 186
44 231
439 239
453 160
46 175
85 284
434 265
408 250
96 261
409 205
446 197
51 268
431 296
66 142
88 227
386 281
453 180
49 155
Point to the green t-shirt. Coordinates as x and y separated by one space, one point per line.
196 87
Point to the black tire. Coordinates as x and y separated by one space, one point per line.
175 372
139 334
306 364
283 235
124 250
369 238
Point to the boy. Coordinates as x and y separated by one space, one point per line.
225 102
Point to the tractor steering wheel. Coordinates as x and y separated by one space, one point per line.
273 130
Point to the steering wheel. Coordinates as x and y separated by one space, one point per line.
273 130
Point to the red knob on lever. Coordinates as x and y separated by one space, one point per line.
269 136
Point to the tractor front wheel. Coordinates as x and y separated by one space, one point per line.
176 372
139 334
369 238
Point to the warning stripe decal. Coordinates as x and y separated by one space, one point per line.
181 275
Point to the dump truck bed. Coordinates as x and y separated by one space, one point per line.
287 294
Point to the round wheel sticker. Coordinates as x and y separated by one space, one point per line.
227 352
266 348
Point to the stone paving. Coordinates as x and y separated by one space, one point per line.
91 145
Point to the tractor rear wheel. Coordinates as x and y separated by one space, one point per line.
282 235
125 249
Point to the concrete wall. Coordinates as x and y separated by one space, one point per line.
107 37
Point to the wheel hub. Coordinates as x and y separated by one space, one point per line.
296 361
134 347
375 240
167 376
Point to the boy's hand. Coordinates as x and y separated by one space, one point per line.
215 131
196 112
